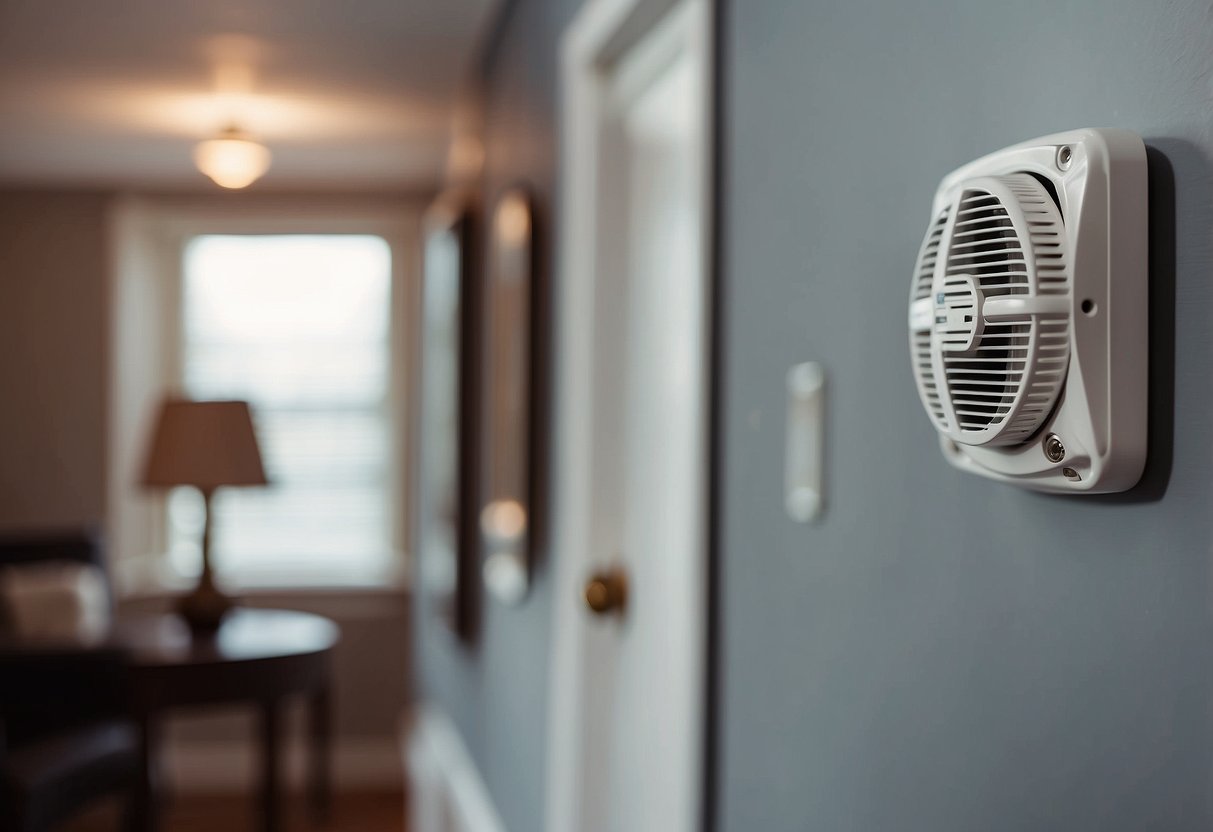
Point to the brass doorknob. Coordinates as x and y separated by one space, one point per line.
606 591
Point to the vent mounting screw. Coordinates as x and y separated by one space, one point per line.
1055 451
1065 155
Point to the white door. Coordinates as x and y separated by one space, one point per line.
631 647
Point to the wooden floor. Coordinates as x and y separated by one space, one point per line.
365 812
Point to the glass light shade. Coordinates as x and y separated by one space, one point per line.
233 160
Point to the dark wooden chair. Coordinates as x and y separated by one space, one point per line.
66 738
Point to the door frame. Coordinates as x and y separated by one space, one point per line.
602 31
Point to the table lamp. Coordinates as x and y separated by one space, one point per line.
206 445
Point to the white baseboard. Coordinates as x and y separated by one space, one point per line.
446 791
230 766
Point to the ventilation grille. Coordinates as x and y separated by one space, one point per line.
1001 375
984 384
986 245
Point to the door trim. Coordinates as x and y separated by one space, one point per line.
602 31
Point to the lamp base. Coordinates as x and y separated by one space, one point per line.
205 607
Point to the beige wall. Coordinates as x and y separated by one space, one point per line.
53 345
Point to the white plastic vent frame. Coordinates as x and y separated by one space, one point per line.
1028 313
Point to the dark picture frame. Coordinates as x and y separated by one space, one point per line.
447 539
507 511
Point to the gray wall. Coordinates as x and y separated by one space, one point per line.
940 653
943 652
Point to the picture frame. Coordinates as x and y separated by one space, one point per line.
507 506
446 539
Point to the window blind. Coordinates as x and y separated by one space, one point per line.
299 326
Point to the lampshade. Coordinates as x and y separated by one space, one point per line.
232 160
204 444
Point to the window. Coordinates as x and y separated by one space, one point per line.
299 326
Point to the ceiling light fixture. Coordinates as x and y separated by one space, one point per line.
232 159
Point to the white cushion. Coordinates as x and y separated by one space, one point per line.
56 601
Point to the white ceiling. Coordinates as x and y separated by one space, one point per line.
346 93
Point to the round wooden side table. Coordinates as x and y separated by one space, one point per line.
257 656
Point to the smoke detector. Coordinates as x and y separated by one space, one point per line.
1028 313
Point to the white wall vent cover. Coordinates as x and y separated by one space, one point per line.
1028 310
